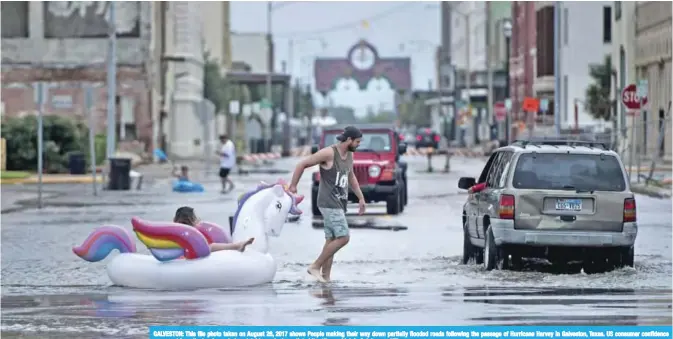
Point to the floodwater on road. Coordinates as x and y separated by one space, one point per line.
380 278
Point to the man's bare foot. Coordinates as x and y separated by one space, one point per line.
244 244
315 272
327 278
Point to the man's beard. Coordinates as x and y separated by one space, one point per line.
352 148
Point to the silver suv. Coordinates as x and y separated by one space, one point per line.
564 201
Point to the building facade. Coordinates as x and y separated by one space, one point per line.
468 54
585 40
652 62
523 51
544 81
498 12
252 49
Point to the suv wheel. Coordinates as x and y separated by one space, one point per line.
627 255
495 256
469 250
393 203
314 203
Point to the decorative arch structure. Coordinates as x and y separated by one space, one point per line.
362 64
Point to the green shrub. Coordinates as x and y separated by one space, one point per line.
61 136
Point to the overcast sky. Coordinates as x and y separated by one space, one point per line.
412 24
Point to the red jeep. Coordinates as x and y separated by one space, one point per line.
376 164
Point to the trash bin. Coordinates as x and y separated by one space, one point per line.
120 174
77 163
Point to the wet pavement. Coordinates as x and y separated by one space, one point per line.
382 277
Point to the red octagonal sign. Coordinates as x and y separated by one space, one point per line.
630 98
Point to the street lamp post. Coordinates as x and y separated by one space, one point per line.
269 59
507 31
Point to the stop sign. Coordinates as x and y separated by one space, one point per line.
500 111
630 97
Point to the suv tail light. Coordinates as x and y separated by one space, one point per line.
506 208
629 210
436 138
418 137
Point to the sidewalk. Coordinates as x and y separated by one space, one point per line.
54 179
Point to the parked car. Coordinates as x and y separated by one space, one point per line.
377 166
564 201
426 137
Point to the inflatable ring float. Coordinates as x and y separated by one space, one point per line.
186 186
180 257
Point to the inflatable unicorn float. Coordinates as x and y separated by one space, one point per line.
180 257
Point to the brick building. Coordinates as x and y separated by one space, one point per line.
523 51
64 45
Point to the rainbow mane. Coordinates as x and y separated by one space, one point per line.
102 241
168 241
296 199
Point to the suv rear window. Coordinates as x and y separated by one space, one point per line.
371 141
562 171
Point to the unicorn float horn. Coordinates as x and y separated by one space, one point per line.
102 241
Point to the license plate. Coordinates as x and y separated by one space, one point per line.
568 204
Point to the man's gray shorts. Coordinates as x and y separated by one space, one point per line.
334 221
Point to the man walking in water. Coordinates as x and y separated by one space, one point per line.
336 173
227 155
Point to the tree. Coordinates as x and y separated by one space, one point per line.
214 84
598 101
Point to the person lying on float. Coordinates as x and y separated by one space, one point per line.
185 215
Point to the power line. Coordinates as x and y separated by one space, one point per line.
349 25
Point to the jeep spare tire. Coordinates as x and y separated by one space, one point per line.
393 203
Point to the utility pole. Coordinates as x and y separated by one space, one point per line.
468 78
287 138
489 68
111 83
269 61
557 68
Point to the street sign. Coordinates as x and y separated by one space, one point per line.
530 105
247 110
642 88
544 105
234 107
631 99
500 111
256 107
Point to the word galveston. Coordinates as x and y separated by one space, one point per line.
399 332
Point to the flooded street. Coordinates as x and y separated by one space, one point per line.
382 277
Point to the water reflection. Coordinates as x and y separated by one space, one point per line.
577 306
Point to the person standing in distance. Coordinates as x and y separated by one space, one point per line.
336 173
227 155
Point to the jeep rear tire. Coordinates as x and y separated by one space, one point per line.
495 257
402 198
314 203
393 203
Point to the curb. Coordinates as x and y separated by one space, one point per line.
650 191
54 180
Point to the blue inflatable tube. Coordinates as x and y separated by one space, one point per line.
184 186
